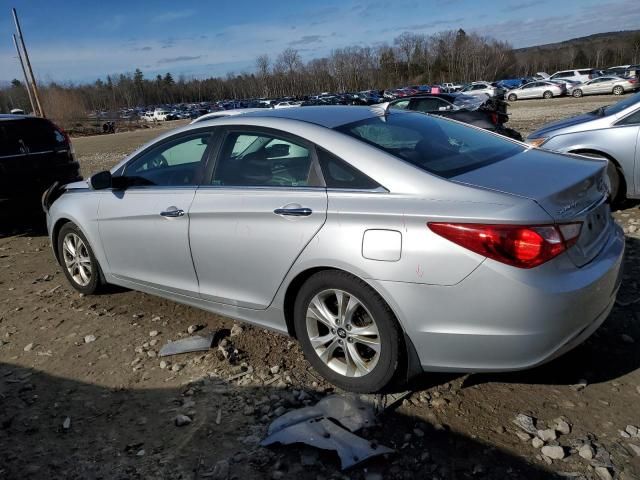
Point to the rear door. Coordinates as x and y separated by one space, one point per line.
253 216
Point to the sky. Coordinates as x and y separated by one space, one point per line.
80 41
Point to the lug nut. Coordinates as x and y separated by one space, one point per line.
340 341
349 327
333 330
350 340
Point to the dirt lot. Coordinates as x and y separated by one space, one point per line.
83 394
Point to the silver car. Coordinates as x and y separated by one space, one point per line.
539 89
610 84
386 242
611 133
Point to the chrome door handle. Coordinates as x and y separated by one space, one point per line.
172 212
293 212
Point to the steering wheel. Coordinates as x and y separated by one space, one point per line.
157 162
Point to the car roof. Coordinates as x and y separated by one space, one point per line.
329 116
12 116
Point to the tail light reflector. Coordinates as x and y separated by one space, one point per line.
517 245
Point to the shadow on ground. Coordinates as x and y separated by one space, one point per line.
130 433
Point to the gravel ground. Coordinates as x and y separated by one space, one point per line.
83 394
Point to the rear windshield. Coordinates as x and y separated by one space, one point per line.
439 146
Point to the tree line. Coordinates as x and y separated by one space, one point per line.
412 58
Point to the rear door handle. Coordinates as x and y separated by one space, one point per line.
293 212
172 212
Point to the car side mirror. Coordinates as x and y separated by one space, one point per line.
101 180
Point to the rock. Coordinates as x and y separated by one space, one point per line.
221 470
547 435
89 338
66 424
526 423
624 434
193 329
251 440
525 437
236 330
553 452
176 367
586 451
603 473
627 338
582 383
151 354
182 420
638 389
154 333
631 430
562 426
537 443
275 369
163 364
278 412
439 402
634 448
140 453
28 347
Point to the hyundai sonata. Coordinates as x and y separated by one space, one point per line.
382 240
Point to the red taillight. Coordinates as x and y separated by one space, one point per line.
516 245
494 118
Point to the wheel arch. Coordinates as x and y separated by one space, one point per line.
410 359
55 232
595 151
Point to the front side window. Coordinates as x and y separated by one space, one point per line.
429 105
178 162
633 119
433 144
401 105
260 159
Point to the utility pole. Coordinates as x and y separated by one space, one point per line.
24 72
28 62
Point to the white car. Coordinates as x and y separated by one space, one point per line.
582 75
481 88
287 104
451 87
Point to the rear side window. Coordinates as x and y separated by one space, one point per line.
339 174
34 134
436 145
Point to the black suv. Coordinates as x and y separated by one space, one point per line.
34 153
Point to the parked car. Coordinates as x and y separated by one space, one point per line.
489 113
380 239
34 153
287 104
451 87
482 88
539 89
569 85
600 85
611 132
582 75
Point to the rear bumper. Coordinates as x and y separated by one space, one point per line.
501 318
29 187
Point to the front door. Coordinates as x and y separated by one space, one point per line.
264 203
145 226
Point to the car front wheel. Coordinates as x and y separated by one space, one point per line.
577 93
347 332
547 94
618 90
512 97
77 260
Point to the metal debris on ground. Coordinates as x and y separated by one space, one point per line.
329 425
196 343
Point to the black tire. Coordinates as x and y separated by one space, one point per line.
618 90
577 93
95 279
512 97
548 94
374 308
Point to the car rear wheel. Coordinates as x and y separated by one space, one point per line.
78 261
577 93
547 94
347 331
512 97
618 90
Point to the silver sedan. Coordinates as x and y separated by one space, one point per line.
611 133
539 89
603 85
386 242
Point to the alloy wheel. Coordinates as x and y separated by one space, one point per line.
76 259
343 333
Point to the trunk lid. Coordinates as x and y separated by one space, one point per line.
569 188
